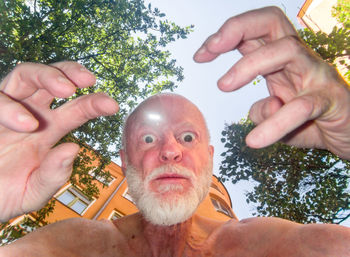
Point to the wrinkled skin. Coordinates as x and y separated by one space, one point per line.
132 236
29 129
308 107
308 104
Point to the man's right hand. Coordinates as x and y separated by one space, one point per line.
31 171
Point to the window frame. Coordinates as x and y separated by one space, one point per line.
115 213
78 196
127 196
221 207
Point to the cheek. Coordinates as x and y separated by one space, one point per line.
149 161
196 161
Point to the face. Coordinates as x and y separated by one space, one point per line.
168 159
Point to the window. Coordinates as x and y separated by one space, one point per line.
216 187
220 207
127 195
104 177
115 215
74 199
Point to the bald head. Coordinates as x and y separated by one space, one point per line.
167 158
161 109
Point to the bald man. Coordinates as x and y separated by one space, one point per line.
166 154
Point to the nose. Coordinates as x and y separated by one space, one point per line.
170 151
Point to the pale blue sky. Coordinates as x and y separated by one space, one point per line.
200 80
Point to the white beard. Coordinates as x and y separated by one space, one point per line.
180 206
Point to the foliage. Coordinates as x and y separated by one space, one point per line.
122 41
336 45
29 223
303 185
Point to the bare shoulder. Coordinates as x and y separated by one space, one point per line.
324 239
279 237
71 237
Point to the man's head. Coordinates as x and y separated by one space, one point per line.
167 158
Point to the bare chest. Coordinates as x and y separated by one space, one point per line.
213 246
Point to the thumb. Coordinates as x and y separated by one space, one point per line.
288 118
53 172
264 108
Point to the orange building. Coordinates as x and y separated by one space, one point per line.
317 16
114 201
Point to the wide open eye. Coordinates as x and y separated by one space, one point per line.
187 137
148 139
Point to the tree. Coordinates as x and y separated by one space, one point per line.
334 47
122 41
303 185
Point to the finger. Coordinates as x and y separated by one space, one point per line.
54 171
73 72
291 116
80 110
40 99
27 78
15 117
78 74
249 46
268 24
264 108
265 60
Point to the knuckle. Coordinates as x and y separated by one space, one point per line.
232 21
293 44
250 61
278 12
255 113
66 65
306 105
86 107
22 65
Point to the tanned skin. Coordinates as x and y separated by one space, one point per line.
308 106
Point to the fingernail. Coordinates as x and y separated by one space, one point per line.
214 39
199 52
83 69
63 80
67 162
225 82
22 117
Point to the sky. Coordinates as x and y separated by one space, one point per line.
199 85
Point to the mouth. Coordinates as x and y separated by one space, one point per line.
170 178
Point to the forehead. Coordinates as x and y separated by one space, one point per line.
166 110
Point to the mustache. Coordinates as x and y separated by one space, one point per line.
171 170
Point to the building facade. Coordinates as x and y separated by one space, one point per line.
114 201
317 15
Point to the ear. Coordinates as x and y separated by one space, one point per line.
211 150
123 159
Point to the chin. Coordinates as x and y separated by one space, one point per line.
168 210
168 204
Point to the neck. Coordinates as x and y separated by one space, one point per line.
167 240
189 238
